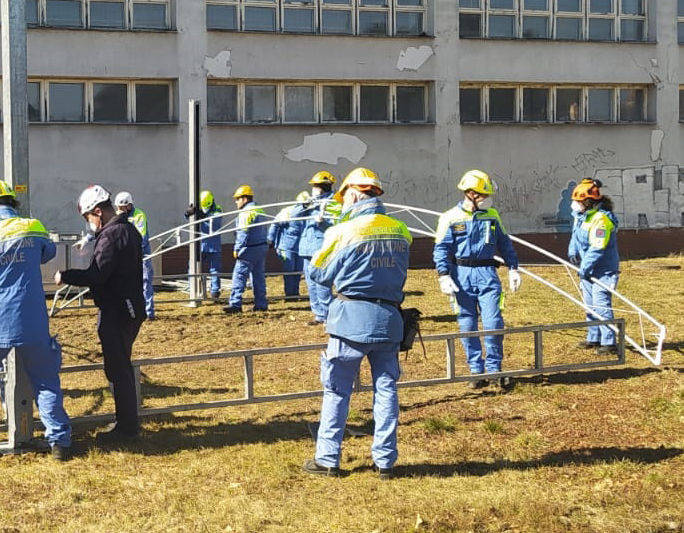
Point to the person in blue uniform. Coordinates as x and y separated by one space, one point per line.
468 237
24 246
249 252
365 257
594 249
210 248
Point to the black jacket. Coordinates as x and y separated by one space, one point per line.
115 274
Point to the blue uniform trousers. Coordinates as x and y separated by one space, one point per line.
148 288
42 362
339 367
601 301
320 296
254 265
480 295
291 263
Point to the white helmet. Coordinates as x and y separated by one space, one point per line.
91 198
123 198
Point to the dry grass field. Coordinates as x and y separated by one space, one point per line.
596 450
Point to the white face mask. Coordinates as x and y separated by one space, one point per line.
485 204
93 227
577 207
316 191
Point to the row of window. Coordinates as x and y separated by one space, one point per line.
543 104
312 103
578 20
108 101
107 14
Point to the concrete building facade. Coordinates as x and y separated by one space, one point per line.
539 93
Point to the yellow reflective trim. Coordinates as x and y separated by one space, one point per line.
455 215
139 219
17 228
600 230
502 301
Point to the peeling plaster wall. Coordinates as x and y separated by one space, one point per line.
533 165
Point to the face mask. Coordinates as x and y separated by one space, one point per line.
93 227
316 191
577 207
485 204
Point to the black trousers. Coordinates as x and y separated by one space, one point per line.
117 332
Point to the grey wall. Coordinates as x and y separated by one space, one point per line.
533 165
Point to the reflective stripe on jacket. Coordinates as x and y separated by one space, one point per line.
139 219
249 234
594 239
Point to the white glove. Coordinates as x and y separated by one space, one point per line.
58 278
447 285
514 280
83 241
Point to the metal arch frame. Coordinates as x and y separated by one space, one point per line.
653 356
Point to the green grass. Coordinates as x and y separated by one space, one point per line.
595 451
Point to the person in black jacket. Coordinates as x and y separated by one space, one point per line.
115 279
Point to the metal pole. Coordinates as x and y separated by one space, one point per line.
15 100
193 198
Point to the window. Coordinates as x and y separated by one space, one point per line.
110 102
344 17
535 104
152 103
34 97
100 14
600 105
317 102
469 105
577 20
568 105
631 105
66 102
502 105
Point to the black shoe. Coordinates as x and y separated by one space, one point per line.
586 345
312 467
385 473
60 453
608 349
505 383
215 296
259 309
113 435
230 310
315 323
478 384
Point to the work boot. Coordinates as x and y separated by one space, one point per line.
312 467
113 435
215 296
505 383
60 453
587 345
384 473
478 384
259 309
608 349
230 310
315 323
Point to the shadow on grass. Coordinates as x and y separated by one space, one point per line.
584 377
440 318
581 456
677 346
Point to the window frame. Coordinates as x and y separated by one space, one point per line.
321 85
238 13
395 102
548 14
517 102
281 104
422 9
298 5
515 12
582 104
483 89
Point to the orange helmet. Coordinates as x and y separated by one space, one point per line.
588 188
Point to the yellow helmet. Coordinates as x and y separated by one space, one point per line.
322 177
6 190
476 180
243 190
362 179
206 199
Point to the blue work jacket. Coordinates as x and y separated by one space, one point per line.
250 237
139 219
210 244
284 233
594 242
366 257
324 212
478 235
24 246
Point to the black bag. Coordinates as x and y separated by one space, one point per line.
411 317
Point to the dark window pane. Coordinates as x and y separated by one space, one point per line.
149 16
631 105
680 33
573 6
569 28
410 104
469 25
502 4
470 3
373 23
374 103
502 105
502 26
32 12
335 21
222 103
66 102
409 2
600 29
680 8
221 17
469 105
382 3
633 7
260 103
64 13
152 103
631 30
409 23
260 19
299 104
600 105
34 101
298 20
106 14
601 6
337 103
110 102
568 105
340 2
309 2
538 5
535 27
535 105
681 105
